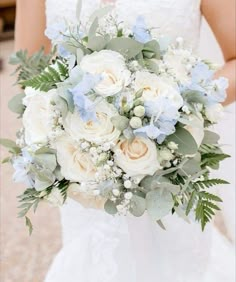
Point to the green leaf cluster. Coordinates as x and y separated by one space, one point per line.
48 78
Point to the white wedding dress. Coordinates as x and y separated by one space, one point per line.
100 248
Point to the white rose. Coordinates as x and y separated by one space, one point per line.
100 131
111 66
214 112
153 87
76 165
196 128
137 158
37 116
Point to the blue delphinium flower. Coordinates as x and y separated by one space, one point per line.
21 165
201 74
63 52
164 116
140 31
218 93
55 32
84 105
150 131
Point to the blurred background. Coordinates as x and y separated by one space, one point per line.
24 258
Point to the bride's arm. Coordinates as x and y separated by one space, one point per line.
30 26
221 17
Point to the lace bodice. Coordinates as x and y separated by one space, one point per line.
169 17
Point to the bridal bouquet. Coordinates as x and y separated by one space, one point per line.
119 116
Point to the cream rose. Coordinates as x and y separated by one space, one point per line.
100 131
112 68
37 116
153 86
137 158
76 165
196 128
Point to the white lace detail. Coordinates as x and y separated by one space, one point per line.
175 18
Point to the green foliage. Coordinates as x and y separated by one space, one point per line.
29 66
208 183
48 78
206 207
138 206
16 105
128 47
10 145
212 160
31 198
186 143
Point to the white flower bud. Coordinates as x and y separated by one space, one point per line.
128 196
166 155
186 110
116 192
136 122
173 146
139 111
127 184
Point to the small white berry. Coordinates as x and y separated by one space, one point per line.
128 184
116 192
128 196
139 111
135 122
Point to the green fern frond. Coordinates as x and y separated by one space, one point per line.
212 160
30 66
206 207
48 78
208 183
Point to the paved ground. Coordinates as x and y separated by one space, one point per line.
23 258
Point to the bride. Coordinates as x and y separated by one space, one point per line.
101 248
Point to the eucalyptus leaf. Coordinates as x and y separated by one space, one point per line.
48 160
127 47
186 143
138 206
16 104
120 122
67 96
191 167
152 66
152 50
93 28
159 203
97 43
160 223
173 189
110 207
11 145
193 96
210 137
